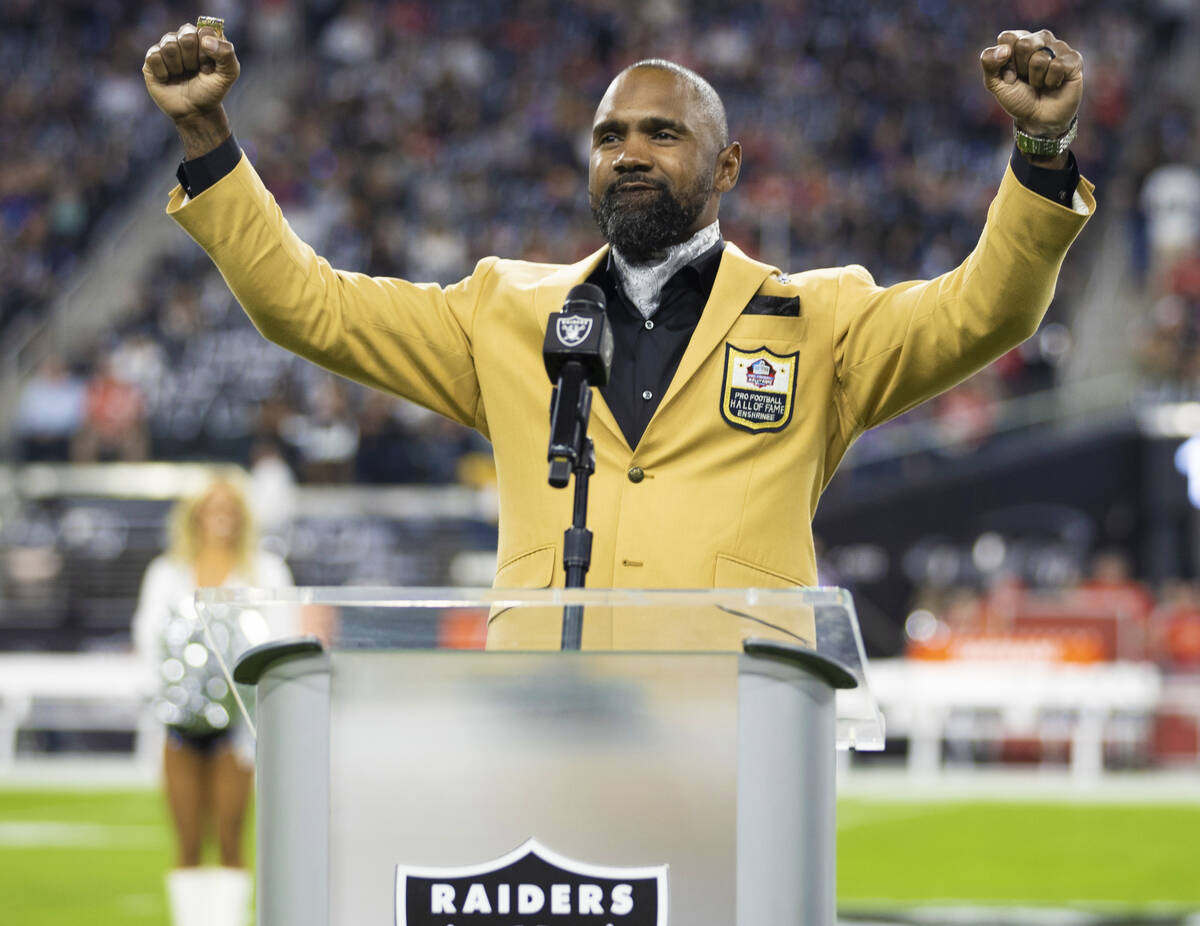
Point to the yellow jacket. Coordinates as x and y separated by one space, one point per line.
737 454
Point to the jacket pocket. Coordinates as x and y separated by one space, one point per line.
752 330
792 624
531 569
732 572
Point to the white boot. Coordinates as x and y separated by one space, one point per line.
188 892
209 896
229 896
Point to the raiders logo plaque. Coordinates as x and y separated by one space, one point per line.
531 886
573 330
759 388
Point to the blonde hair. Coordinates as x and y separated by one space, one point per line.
185 525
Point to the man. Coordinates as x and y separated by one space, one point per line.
736 388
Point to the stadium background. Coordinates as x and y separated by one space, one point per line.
1044 503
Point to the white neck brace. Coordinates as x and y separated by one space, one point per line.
643 283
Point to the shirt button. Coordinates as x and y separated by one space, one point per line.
649 324
635 474
647 395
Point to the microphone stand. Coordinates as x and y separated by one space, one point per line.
577 546
573 453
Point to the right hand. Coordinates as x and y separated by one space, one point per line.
188 73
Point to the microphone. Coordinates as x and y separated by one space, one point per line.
577 352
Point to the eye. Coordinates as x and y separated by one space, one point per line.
608 138
664 134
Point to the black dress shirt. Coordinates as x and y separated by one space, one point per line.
198 174
647 352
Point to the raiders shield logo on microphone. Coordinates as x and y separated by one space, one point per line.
573 330
531 886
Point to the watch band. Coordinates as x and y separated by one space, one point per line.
1039 146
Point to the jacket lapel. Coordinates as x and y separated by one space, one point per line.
738 279
549 297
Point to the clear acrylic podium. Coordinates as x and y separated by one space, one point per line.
407 775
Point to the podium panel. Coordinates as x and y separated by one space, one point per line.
620 760
402 783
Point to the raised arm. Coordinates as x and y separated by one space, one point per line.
412 340
897 346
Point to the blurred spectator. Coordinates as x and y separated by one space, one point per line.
1167 345
49 412
387 450
1111 585
140 361
326 439
963 610
1177 627
1170 202
114 424
352 37
966 416
1182 633
1183 277
272 491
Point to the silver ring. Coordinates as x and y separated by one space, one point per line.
1048 50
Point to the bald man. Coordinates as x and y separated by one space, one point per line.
736 388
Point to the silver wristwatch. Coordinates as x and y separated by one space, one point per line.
1039 146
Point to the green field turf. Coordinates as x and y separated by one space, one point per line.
91 858
98 858
1123 856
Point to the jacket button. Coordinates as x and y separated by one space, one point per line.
635 474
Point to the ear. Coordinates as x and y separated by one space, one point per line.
729 165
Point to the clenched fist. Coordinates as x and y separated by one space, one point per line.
1037 78
188 72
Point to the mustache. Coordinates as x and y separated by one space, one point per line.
632 179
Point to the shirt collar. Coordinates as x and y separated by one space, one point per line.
643 284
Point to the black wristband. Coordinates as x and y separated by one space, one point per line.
198 174
1056 184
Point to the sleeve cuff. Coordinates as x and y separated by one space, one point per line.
198 174
1056 185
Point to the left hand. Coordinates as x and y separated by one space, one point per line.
1040 92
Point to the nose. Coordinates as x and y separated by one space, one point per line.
633 156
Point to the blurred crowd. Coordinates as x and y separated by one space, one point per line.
422 136
76 132
1099 621
188 377
1101 613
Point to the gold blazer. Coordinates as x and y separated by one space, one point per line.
781 375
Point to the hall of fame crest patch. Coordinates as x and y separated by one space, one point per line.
759 388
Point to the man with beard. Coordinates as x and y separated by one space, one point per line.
736 389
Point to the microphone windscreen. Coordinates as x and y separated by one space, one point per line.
585 295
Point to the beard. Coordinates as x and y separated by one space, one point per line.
640 224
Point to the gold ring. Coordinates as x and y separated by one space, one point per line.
213 22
